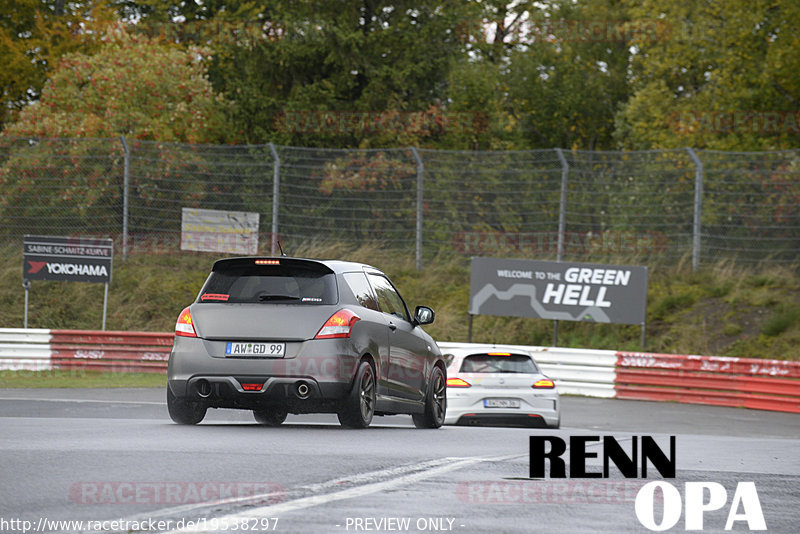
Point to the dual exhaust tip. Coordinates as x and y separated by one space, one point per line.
301 389
203 389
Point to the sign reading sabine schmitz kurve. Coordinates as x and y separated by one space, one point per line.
67 259
560 291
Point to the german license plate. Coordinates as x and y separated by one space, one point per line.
268 350
501 403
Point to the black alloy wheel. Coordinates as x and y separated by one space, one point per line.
359 407
435 402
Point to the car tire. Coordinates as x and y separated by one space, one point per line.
185 412
435 402
274 417
359 407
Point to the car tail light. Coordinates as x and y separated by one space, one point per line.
458 383
339 325
544 383
268 262
251 386
499 353
185 325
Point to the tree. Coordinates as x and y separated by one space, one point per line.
133 86
725 76
34 34
279 62
550 74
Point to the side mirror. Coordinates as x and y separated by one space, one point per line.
423 315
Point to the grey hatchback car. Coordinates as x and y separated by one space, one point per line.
279 335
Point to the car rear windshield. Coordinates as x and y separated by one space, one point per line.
285 281
498 363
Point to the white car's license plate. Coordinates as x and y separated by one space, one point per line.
270 350
501 403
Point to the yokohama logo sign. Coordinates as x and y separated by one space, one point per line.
69 259
76 269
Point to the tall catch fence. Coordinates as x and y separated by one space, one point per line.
660 205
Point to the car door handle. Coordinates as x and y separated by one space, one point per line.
392 327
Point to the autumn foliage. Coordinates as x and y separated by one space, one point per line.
134 86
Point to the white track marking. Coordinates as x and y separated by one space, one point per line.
81 401
445 465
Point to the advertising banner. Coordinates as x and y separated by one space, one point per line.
234 232
67 259
560 291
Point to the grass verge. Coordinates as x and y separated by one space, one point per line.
722 309
77 378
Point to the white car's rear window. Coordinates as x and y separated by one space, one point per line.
498 363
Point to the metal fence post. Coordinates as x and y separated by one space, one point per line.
562 222
562 210
126 173
276 186
698 208
420 196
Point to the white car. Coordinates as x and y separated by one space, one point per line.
498 386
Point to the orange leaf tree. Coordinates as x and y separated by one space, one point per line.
134 86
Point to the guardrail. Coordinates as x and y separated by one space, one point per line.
736 382
739 382
590 373
119 352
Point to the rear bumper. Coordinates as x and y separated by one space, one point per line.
293 394
307 380
467 408
502 419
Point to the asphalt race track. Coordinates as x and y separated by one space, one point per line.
114 460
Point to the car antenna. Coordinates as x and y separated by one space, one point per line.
283 254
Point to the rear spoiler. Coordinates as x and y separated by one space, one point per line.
297 263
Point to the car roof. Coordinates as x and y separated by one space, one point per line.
460 352
468 349
337 266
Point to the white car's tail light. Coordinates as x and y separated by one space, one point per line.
456 382
185 325
544 383
339 325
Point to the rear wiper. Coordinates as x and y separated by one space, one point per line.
263 298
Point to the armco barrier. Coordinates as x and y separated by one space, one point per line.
738 382
584 372
121 352
25 349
